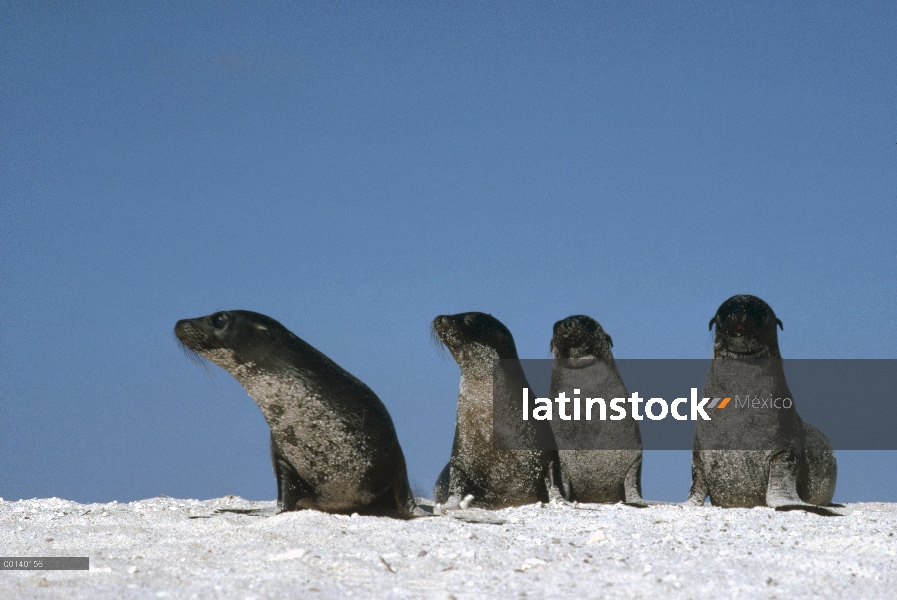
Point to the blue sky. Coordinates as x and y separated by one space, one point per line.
355 169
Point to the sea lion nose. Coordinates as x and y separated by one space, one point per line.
442 322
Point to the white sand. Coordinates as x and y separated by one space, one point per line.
151 549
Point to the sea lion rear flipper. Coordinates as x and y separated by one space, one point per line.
819 510
781 490
699 491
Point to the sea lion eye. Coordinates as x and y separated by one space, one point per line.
218 320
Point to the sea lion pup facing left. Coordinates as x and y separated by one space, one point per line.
584 367
495 478
760 455
333 444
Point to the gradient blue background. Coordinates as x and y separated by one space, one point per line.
355 169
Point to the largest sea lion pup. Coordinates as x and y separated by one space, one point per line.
333 444
774 458
495 478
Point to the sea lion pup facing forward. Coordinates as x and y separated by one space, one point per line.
333 444
777 459
584 367
495 478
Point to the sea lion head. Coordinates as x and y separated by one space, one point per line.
745 328
582 339
474 336
238 341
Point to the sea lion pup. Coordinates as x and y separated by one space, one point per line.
584 367
778 460
494 478
333 444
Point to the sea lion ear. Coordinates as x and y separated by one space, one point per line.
779 323
609 341
268 332
710 325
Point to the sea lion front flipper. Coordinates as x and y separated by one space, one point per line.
816 480
552 481
781 490
699 491
556 497
404 499
291 488
457 490
632 485
566 486
414 511
441 489
453 502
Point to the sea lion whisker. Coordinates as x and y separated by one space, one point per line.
196 358
438 343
